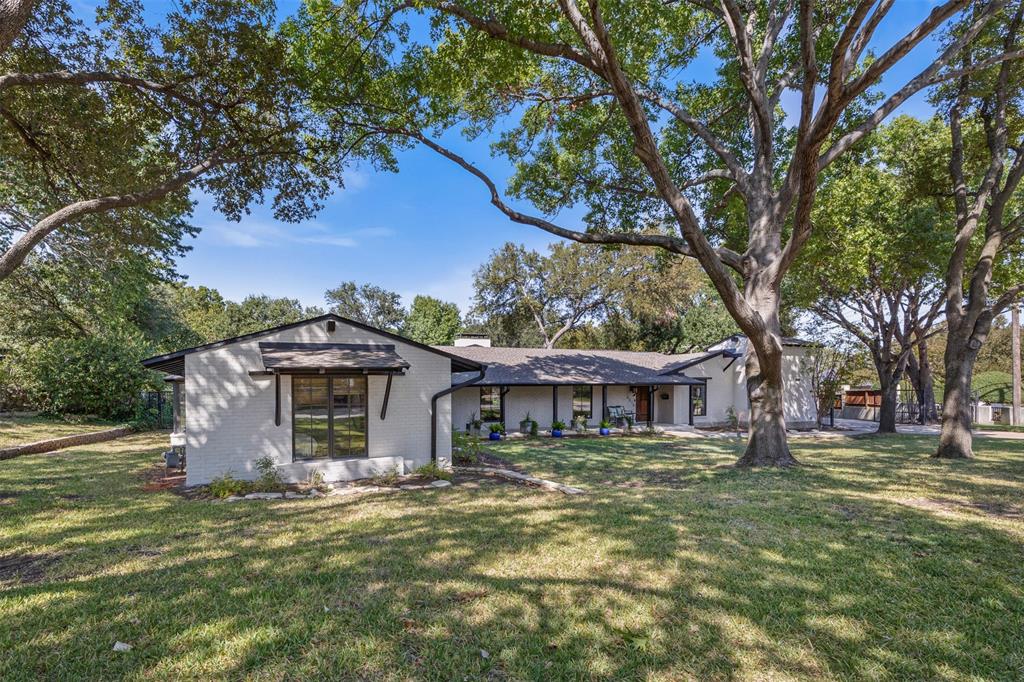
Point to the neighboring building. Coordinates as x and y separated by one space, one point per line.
338 397
690 389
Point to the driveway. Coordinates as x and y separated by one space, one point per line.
860 426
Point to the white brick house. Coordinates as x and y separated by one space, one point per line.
349 401
314 396
677 390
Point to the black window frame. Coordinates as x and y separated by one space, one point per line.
702 390
589 413
330 417
492 413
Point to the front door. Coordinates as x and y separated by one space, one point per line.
643 405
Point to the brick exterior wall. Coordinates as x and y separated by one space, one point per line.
230 415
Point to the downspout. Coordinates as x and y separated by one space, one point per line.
433 409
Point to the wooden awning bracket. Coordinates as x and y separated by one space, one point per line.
387 396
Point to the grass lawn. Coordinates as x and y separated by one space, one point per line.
871 562
20 430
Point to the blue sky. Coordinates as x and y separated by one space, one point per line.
422 230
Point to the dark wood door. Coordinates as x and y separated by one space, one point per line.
643 404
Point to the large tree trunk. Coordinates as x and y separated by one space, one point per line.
890 400
766 444
956 439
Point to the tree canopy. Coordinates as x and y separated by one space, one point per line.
432 321
367 303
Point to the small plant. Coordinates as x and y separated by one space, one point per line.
465 450
534 428
474 425
432 470
497 428
733 419
387 478
629 424
579 424
605 424
316 481
526 425
227 485
270 479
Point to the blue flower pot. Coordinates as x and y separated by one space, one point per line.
556 433
604 432
494 435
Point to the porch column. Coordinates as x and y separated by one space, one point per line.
554 403
650 406
604 402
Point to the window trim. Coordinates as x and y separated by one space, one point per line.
495 404
589 414
703 391
330 417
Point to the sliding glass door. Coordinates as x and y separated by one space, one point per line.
328 416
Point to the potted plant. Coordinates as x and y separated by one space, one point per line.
579 424
526 426
474 426
496 431
606 427
556 428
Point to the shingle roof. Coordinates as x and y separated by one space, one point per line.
546 366
285 357
174 363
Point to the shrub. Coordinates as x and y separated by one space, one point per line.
534 428
465 450
227 485
96 375
270 479
389 477
557 425
432 470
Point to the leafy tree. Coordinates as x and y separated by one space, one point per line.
557 292
105 127
258 312
874 266
985 272
368 304
596 115
432 321
91 375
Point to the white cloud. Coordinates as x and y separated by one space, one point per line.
252 233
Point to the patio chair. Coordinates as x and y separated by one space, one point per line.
617 415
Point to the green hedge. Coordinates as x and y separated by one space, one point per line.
91 376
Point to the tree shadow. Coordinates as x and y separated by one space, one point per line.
703 572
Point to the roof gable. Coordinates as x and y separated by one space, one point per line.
174 363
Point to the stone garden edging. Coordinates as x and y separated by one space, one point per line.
339 492
524 478
52 444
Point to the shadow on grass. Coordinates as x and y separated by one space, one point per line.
694 570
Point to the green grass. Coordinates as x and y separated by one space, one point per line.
871 562
19 430
999 427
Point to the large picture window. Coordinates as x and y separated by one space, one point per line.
328 417
582 402
490 403
698 401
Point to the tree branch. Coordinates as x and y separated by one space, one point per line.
19 250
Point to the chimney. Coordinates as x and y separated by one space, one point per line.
463 340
